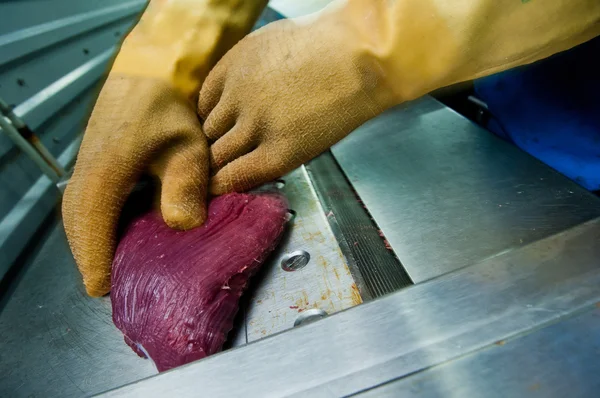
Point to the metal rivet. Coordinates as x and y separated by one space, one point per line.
279 184
295 260
308 316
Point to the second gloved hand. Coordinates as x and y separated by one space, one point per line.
283 95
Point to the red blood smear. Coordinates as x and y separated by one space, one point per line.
175 293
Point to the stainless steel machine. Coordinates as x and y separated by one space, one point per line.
426 257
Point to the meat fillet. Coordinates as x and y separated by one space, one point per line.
175 293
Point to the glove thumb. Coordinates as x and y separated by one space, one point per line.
184 178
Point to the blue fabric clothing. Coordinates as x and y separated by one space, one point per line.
551 109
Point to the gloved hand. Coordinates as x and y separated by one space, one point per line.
292 89
284 94
145 121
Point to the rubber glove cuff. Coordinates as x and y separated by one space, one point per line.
179 41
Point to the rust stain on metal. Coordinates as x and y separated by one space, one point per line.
326 295
322 261
356 299
335 272
314 236
348 271
598 304
500 342
302 302
326 282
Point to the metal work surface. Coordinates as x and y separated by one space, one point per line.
278 297
561 360
54 339
414 329
57 341
447 193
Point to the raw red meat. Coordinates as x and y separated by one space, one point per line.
175 294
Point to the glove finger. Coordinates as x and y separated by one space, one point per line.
247 172
211 90
184 178
236 143
220 120
91 207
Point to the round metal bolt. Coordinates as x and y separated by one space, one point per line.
308 316
295 260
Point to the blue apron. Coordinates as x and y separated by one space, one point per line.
551 109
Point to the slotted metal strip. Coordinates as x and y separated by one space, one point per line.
369 254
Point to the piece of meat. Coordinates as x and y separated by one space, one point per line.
175 293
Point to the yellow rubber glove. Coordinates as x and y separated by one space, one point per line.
145 121
289 91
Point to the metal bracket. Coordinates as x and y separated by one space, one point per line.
29 143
